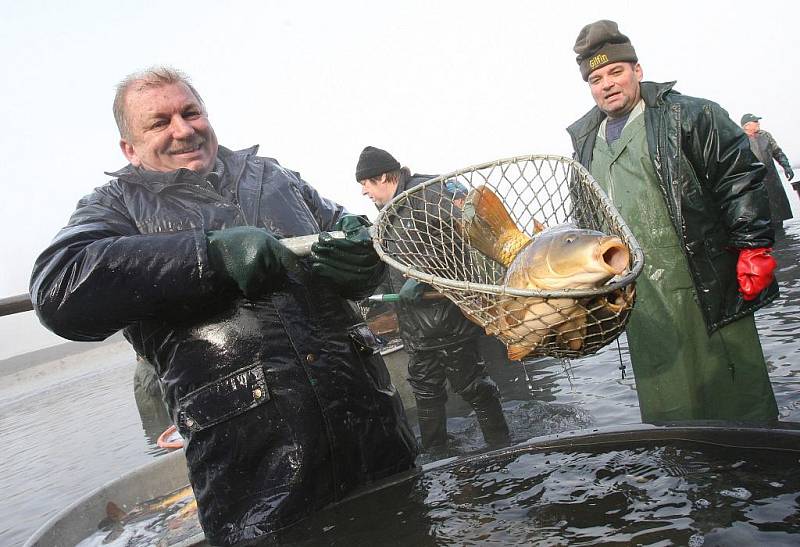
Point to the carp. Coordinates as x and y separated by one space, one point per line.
556 258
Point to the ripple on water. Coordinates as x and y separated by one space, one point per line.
643 493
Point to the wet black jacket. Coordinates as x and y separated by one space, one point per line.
766 150
282 404
429 324
712 187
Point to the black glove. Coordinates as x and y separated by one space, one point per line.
789 173
412 291
350 264
249 257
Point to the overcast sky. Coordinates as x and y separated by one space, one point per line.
441 85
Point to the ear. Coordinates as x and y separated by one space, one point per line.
639 72
130 152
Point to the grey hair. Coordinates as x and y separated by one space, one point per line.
151 77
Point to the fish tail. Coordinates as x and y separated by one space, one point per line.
490 228
516 352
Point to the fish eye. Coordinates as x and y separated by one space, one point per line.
569 239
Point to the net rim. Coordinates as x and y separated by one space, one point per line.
637 255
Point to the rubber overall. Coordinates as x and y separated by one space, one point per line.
442 345
681 373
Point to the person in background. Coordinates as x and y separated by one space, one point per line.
442 344
267 368
766 150
149 397
682 175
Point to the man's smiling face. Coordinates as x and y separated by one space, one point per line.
168 129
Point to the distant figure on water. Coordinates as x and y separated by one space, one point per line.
682 175
768 152
267 367
442 344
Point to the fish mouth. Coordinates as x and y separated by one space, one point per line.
614 256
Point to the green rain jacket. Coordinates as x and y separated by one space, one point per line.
712 186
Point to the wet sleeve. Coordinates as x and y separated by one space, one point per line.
100 274
720 155
777 154
325 211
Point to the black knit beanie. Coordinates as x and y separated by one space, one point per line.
601 43
373 162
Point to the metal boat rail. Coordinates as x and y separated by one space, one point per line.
15 304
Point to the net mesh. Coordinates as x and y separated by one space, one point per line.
422 233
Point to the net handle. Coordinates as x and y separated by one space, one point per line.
301 245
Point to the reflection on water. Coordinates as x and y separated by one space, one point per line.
652 494
65 437
68 431
642 493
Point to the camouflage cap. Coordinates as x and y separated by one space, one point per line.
601 43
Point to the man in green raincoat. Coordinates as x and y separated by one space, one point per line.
682 175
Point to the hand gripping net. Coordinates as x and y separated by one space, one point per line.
420 233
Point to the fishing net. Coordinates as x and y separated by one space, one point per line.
423 233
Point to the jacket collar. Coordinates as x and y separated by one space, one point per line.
230 164
652 94
584 130
401 183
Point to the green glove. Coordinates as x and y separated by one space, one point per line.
412 291
350 264
789 173
249 257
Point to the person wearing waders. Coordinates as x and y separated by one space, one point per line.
442 344
682 175
766 149
267 368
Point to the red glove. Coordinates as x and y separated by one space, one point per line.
754 271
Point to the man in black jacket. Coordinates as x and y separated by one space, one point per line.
766 149
682 175
442 344
267 369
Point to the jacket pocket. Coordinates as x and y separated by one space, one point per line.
230 396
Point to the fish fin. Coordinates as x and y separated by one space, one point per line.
538 226
618 300
114 512
575 344
573 340
497 323
516 353
490 228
